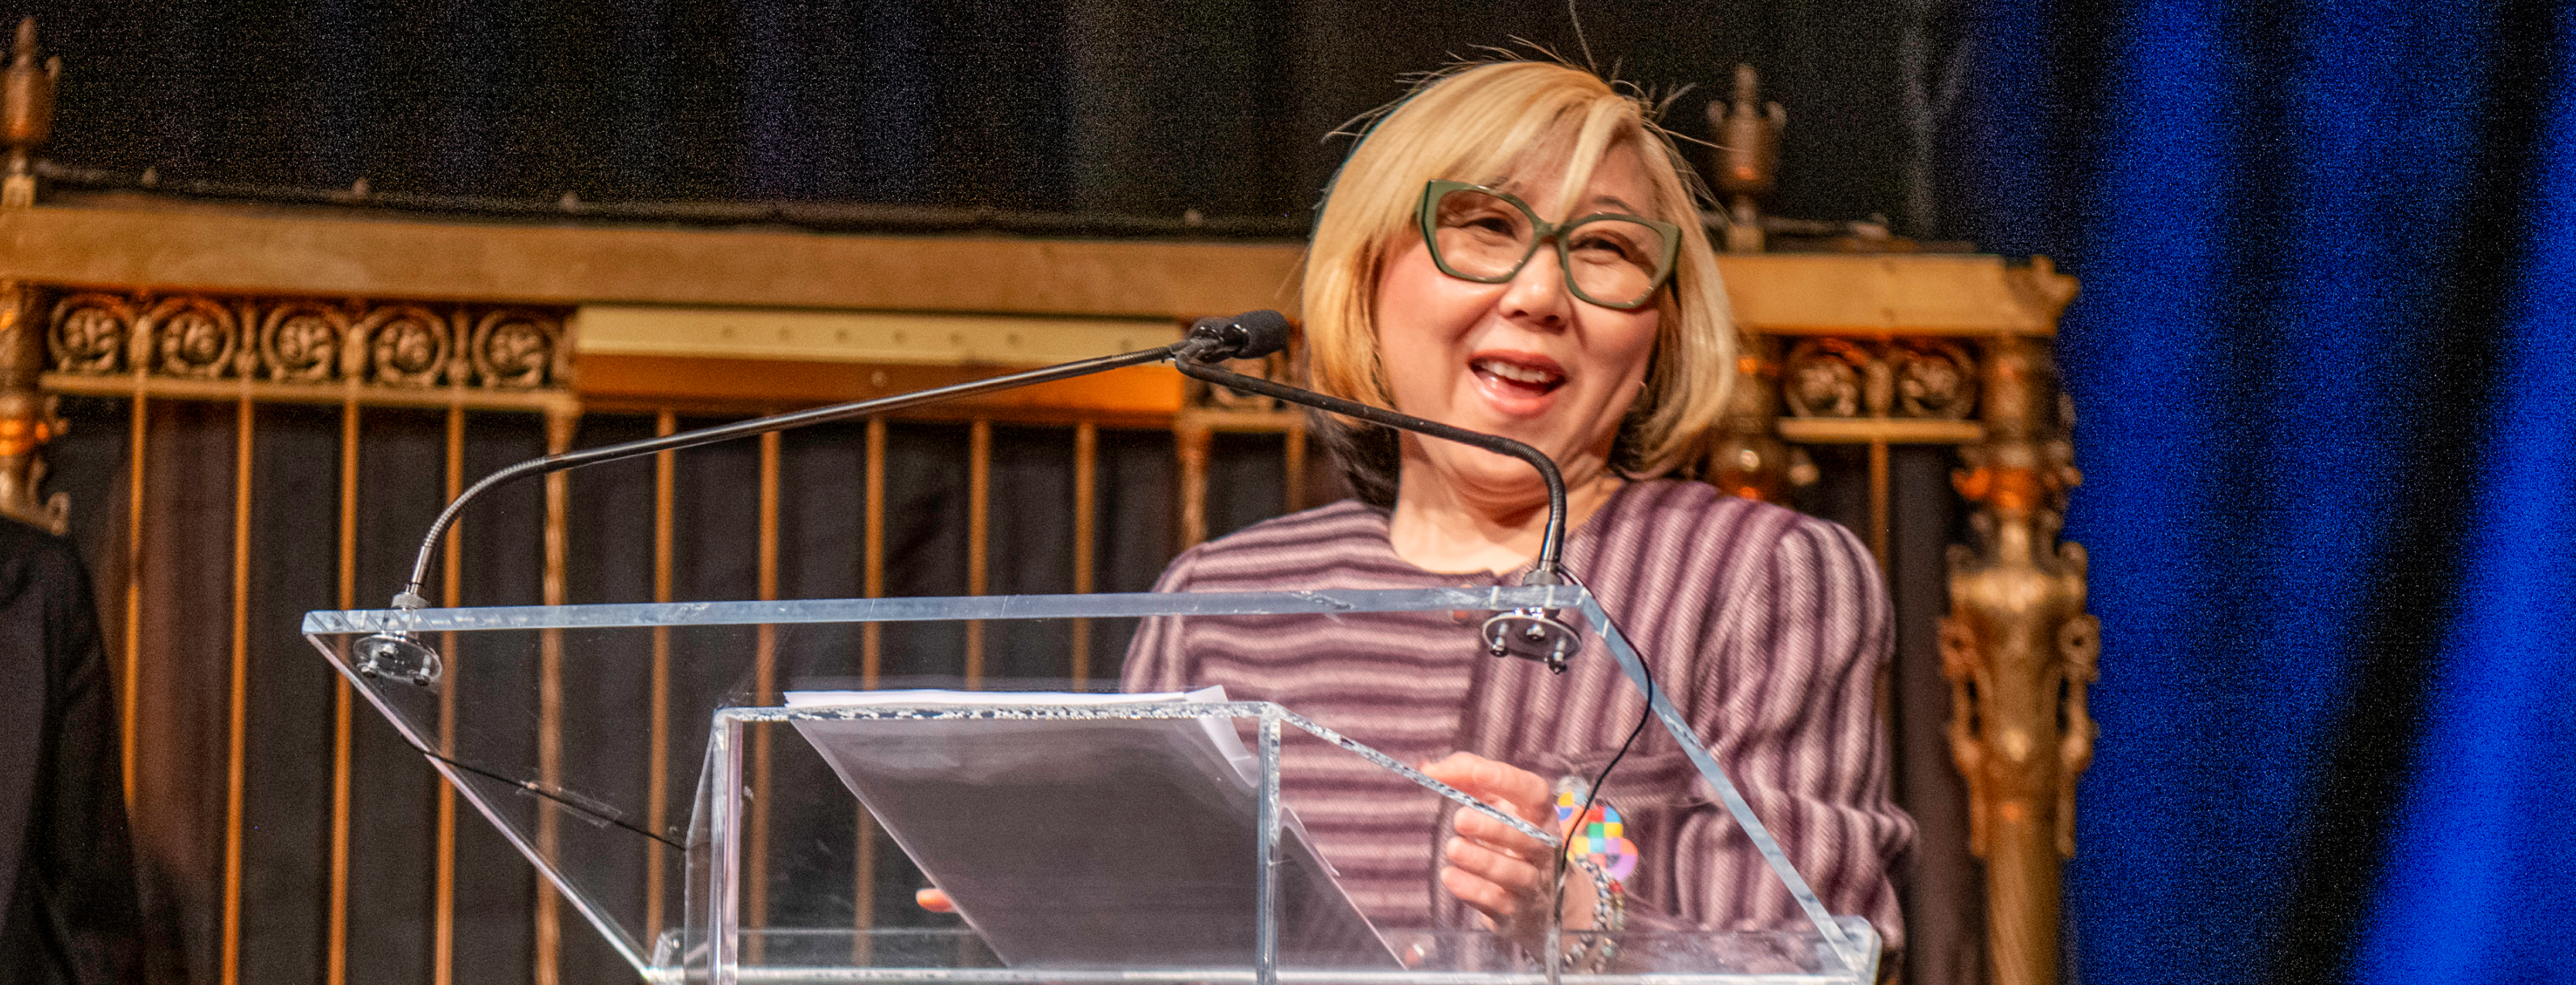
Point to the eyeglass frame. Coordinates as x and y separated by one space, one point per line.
1542 231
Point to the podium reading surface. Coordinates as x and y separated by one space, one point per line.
772 871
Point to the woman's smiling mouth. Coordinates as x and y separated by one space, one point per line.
1517 377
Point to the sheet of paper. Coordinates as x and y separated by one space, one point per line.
1220 731
1091 843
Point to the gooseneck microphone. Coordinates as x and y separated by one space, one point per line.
1530 633
399 655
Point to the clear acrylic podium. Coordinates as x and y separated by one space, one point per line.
642 759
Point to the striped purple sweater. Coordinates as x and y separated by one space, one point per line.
1766 627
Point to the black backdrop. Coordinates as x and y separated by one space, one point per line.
1091 106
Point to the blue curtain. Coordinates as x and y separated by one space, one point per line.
2326 366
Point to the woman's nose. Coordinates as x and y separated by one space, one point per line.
1537 294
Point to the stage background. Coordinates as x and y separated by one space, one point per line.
1097 106
2323 356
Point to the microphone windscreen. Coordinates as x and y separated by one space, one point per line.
1261 333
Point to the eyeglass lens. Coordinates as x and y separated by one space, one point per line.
1608 261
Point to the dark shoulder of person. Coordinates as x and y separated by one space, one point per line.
44 570
66 859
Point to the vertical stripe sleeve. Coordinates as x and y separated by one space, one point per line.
1803 741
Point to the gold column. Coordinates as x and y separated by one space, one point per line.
872 635
1295 465
1745 456
2019 649
1086 502
550 658
657 784
764 684
1191 442
979 516
1878 508
237 719
27 417
1878 396
442 955
871 663
335 963
136 459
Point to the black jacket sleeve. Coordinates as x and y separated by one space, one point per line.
72 917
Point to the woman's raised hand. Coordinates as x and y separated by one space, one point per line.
1495 868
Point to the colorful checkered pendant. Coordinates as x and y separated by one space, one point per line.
1601 835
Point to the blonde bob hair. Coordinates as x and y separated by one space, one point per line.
1480 124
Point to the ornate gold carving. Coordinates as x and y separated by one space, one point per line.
300 340
309 340
90 333
2041 287
2079 644
1824 379
1910 378
1747 157
26 115
400 345
515 348
27 415
1933 379
192 337
1745 455
2019 650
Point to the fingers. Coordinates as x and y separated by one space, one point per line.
1471 824
1486 779
1497 904
1492 866
1491 781
1510 891
1516 874
933 900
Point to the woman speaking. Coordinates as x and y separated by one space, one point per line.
1513 249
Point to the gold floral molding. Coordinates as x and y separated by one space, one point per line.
307 340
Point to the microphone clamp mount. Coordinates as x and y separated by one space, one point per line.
1531 634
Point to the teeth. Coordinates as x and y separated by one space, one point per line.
1516 373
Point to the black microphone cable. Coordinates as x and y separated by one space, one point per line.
1564 857
592 810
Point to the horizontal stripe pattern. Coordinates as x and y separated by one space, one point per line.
1767 627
